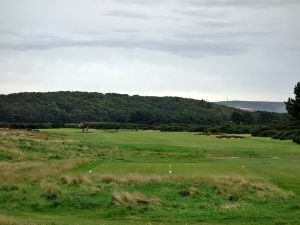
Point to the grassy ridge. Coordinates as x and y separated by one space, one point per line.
63 176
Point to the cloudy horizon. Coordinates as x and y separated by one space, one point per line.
203 49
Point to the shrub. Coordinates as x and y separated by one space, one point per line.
296 138
257 132
227 136
287 134
268 133
78 202
278 135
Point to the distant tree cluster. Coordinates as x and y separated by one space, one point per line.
247 118
116 110
73 107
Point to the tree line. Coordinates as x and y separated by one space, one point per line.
73 107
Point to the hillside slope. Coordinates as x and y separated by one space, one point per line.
69 107
278 107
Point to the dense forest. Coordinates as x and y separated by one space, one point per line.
73 107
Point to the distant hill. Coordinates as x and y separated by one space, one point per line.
278 107
73 107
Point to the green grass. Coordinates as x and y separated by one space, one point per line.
64 176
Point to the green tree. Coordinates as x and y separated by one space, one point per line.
236 117
293 105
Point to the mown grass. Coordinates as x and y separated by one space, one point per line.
63 176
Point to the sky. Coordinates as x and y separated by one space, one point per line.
204 49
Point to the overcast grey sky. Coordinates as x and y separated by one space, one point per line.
203 49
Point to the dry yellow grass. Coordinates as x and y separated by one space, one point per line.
20 170
233 187
5 132
7 220
236 187
131 178
35 170
94 190
50 190
192 191
126 198
230 207
77 179
9 146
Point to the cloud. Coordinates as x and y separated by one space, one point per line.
229 48
191 45
126 14
239 3
212 3
295 48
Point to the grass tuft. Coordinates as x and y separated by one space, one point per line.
192 191
77 180
50 190
131 179
9 187
236 188
230 206
7 220
126 198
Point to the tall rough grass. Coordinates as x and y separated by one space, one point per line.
235 188
35 170
50 190
7 220
126 198
77 180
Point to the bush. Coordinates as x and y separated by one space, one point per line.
268 133
199 128
78 202
287 134
278 134
258 131
172 127
296 138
